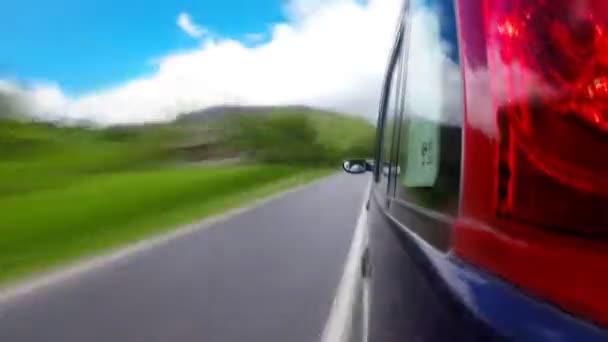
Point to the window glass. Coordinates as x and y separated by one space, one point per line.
392 124
431 127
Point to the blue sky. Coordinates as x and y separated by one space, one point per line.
89 44
127 61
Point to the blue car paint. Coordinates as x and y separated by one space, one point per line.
477 305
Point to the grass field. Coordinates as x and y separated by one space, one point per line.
36 156
69 192
42 229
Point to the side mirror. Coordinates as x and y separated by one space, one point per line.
357 166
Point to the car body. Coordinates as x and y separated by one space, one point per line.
474 232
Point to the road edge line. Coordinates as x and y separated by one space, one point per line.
80 267
338 326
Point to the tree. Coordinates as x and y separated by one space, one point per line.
289 139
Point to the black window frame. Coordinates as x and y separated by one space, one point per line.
385 96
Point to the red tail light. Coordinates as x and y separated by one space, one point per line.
550 64
539 178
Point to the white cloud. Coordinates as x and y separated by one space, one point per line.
434 83
184 21
301 9
331 55
7 86
255 37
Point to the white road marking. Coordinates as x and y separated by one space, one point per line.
82 267
338 327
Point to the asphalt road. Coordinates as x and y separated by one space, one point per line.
269 274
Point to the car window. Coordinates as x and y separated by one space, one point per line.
392 120
430 136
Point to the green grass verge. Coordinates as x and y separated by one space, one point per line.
44 229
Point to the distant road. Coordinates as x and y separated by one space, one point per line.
268 274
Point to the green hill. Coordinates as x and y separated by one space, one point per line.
299 137
66 192
42 155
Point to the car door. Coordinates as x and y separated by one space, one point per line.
417 184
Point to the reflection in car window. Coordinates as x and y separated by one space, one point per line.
391 123
431 129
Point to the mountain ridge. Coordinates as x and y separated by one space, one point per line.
216 112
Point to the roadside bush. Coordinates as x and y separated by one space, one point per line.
291 139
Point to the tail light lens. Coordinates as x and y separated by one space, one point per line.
549 63
535 195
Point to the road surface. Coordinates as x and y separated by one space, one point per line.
268 274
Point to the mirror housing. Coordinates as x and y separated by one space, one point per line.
357 166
